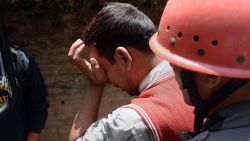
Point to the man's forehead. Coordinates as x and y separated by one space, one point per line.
93 53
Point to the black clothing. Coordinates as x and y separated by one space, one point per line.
30 110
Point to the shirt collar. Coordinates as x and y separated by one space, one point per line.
159 72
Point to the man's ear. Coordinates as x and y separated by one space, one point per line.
123 58
212 81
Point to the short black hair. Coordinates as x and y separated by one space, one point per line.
119 24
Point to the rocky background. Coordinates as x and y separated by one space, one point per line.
47 28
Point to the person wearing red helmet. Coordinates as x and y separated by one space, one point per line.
207 44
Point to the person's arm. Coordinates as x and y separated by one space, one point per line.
89 108
87 113
123 124
35 94
33 136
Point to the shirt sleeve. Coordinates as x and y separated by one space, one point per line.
122 124
35 93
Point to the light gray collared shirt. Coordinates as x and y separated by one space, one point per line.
125 124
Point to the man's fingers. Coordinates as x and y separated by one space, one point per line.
83 65
91 69
74 46
75 56
94 63
78 51
97 71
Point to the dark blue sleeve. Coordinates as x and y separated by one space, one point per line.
35 93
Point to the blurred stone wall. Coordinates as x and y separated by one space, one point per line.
49 41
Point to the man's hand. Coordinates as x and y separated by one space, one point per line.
90 68
89 108
32 136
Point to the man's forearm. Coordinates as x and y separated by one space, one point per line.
88 112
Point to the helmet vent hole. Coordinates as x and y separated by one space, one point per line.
241 59
201 51
196 38
168 28
180 34
214 42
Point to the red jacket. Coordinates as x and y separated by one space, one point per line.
163 110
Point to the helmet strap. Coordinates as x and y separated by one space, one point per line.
203 107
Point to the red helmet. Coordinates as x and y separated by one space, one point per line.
208 36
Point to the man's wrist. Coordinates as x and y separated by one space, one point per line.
33 136
95 85
96 88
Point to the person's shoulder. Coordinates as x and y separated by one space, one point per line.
121 124
125 114
232 134
21 54
21 58
15 49
203 136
